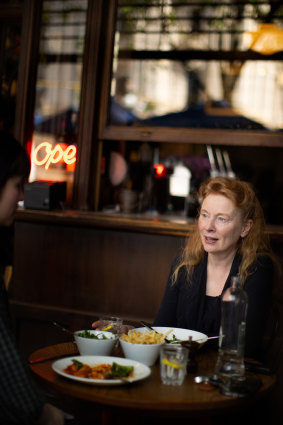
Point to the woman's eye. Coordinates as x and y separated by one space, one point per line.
222 219
204 215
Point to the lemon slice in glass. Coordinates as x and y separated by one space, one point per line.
107 328
174 365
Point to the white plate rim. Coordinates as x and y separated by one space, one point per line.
196 336
141 370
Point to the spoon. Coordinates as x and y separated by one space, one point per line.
63 329
147 325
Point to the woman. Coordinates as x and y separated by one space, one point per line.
21 402
228 239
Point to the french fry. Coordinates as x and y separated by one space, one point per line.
148 337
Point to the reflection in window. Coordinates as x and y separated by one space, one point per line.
10 50
58 90
198 64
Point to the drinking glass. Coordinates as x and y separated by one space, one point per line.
111 324
173 364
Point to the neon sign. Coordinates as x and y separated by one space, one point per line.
46 154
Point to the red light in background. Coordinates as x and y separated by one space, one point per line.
29 147
160 170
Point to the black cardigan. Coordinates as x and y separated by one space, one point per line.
185 305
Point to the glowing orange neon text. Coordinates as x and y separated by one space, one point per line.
53 155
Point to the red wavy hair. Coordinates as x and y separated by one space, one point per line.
255 243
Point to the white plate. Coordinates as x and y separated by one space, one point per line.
179 333
141 371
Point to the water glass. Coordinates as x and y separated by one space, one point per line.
111 324
173 364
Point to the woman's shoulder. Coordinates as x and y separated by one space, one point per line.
185 277
264 261
262 269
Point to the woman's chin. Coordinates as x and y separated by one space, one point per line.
209 247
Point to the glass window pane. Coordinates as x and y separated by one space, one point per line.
198 64
10 50
58 89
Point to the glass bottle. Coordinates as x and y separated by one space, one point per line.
230 361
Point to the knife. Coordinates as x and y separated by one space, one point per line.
257 368
46 359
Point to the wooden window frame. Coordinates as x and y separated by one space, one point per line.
93 125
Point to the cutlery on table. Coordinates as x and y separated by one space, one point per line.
63 328
201 339
147 325
46 359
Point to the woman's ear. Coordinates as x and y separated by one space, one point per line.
246 228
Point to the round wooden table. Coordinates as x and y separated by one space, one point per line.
148 397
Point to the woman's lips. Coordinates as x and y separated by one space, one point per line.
210 240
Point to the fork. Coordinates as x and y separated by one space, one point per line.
147 325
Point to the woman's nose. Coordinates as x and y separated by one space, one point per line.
210 224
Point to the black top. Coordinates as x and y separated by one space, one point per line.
186 305
21 401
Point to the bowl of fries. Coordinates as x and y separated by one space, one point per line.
142 346
94 342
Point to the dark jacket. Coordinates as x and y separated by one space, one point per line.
185 305
21 401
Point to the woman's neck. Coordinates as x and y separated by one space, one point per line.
218 269
221 260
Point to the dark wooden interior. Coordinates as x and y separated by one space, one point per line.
71 266
92 271
74 267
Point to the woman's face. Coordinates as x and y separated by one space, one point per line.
221 225
10 195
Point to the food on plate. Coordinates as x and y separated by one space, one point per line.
99 371
91 335
148 337
175 340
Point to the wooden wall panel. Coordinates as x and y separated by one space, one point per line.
68 273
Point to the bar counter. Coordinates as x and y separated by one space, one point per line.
147 222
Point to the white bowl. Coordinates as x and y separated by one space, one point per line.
97 347
143 353
178 333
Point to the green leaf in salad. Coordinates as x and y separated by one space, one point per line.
175 340
88 334
77 363
119 371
